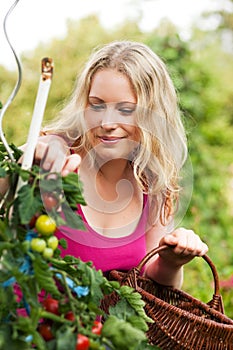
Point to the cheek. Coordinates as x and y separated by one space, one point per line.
92 120
90 135
135 133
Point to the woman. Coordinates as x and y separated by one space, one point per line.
122 132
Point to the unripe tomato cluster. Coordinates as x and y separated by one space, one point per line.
46 242
45 328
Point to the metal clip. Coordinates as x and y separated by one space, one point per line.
47 68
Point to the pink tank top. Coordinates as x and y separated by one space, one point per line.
106 253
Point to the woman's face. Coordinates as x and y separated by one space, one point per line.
110 115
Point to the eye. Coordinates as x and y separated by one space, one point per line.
98 107
126 108
126 111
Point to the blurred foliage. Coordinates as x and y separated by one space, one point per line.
202 70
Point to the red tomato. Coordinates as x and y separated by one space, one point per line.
51 305
33 220
83 342
45 331
50 201
70 316
97 327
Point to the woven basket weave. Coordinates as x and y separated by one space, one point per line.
180 320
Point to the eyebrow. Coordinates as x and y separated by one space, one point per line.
96 98
119 104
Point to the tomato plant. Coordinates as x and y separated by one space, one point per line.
45 331
70 316
33 220
51 305
52 242
47 253
97 327
38 244
70 283
83 342
45 225
50 201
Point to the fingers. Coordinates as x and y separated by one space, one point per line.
53 157
185 243
40 156
72 163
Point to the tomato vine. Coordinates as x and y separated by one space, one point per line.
46 300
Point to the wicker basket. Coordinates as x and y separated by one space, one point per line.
180 320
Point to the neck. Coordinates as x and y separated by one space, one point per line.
107 181
114 170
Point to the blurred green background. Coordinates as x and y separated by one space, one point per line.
202 70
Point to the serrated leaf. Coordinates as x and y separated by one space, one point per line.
27 204
51 184
138 322
122 334
135 300
72 219
73 189
44 275
2 172
24 174
16 151
7 342
65 338
26 326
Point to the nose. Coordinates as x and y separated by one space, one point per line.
109 119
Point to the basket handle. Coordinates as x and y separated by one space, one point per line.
158 249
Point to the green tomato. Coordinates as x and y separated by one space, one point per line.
26 246
45 225
52 242
38 244
47 253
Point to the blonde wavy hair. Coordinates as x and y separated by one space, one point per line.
163 147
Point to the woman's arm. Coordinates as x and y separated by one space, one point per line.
4 185
167 267
52 154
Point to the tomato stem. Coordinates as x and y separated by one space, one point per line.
68 291
48 315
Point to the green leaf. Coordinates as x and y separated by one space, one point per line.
26 327
122 334
7 342
44 275
72 219
24 174
51 184
138 322
2 172
4 231
135 300
73 190
66 338
16 151
27 204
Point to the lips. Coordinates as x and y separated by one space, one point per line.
110 140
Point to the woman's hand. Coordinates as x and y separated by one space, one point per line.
184 246
167 267
53 154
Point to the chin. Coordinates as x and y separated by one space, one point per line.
106 153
